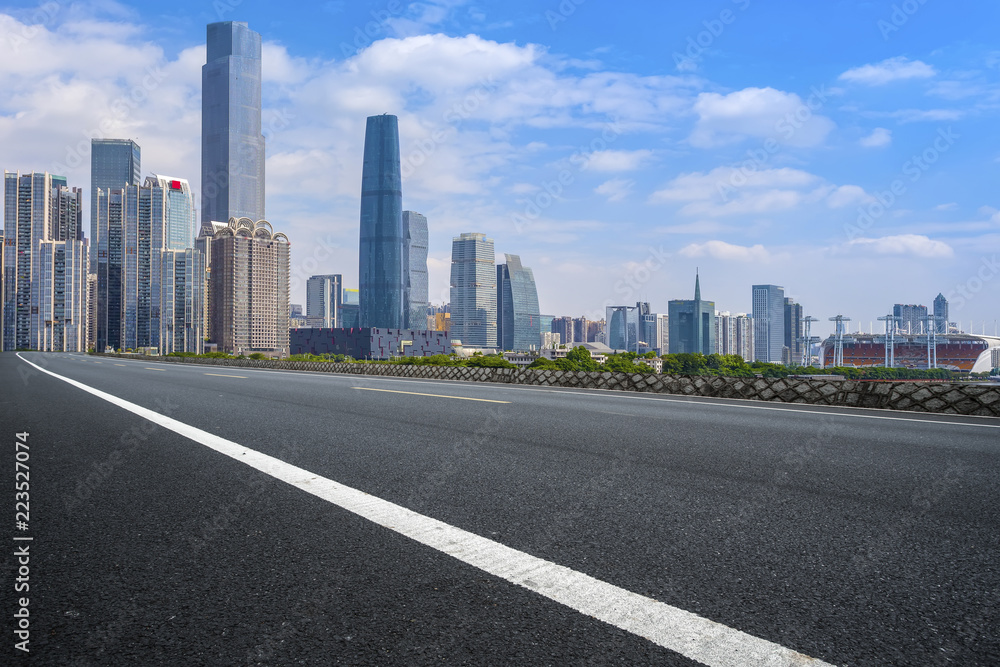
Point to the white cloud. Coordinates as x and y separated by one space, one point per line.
893 69
879 138
727 191
914 245
613 160
847 195
616 189
727 252
925 115
759 113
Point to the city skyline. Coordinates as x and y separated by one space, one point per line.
632 189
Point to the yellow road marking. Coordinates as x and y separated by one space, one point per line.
98 362
162 370
119 364
414 393
227 376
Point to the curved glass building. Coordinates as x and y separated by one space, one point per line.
383 282
518 319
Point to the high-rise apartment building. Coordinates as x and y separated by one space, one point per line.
114 163
473 291
941 313
734 334
45 264
692 324
181 213
323 300
518 320
382 267
249 288
232 146
565 328
769 322
793 332
60 296
912 318
415 256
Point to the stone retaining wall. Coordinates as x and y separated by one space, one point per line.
937 397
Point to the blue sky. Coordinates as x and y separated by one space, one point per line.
844 150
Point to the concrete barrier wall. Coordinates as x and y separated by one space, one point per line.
936 397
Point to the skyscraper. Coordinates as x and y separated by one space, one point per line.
382 266
232 146
249 288
323 300
45 276
518 319
415 255
941 313
181 213
692 324
628 326
912 318
473 291
181 301
769 322
793 332
114 163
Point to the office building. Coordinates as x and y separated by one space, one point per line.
382 266
114 163
518 320
941 313
323 301
473 291
181 301
92 307
627 326
769 322
249 288
415 255
912 318
60 296
692 324
793 332
232 146
181 213
649 330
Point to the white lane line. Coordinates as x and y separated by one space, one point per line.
414 393
678 630
220 375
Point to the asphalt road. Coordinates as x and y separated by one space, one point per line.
856 537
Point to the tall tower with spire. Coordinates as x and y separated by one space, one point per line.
692 324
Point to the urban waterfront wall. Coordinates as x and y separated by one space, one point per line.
935 397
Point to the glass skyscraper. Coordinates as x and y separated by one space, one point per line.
382 267
181 214
114 163
323 299
415 233
232 146
692 324
768 322
518 319
473 291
